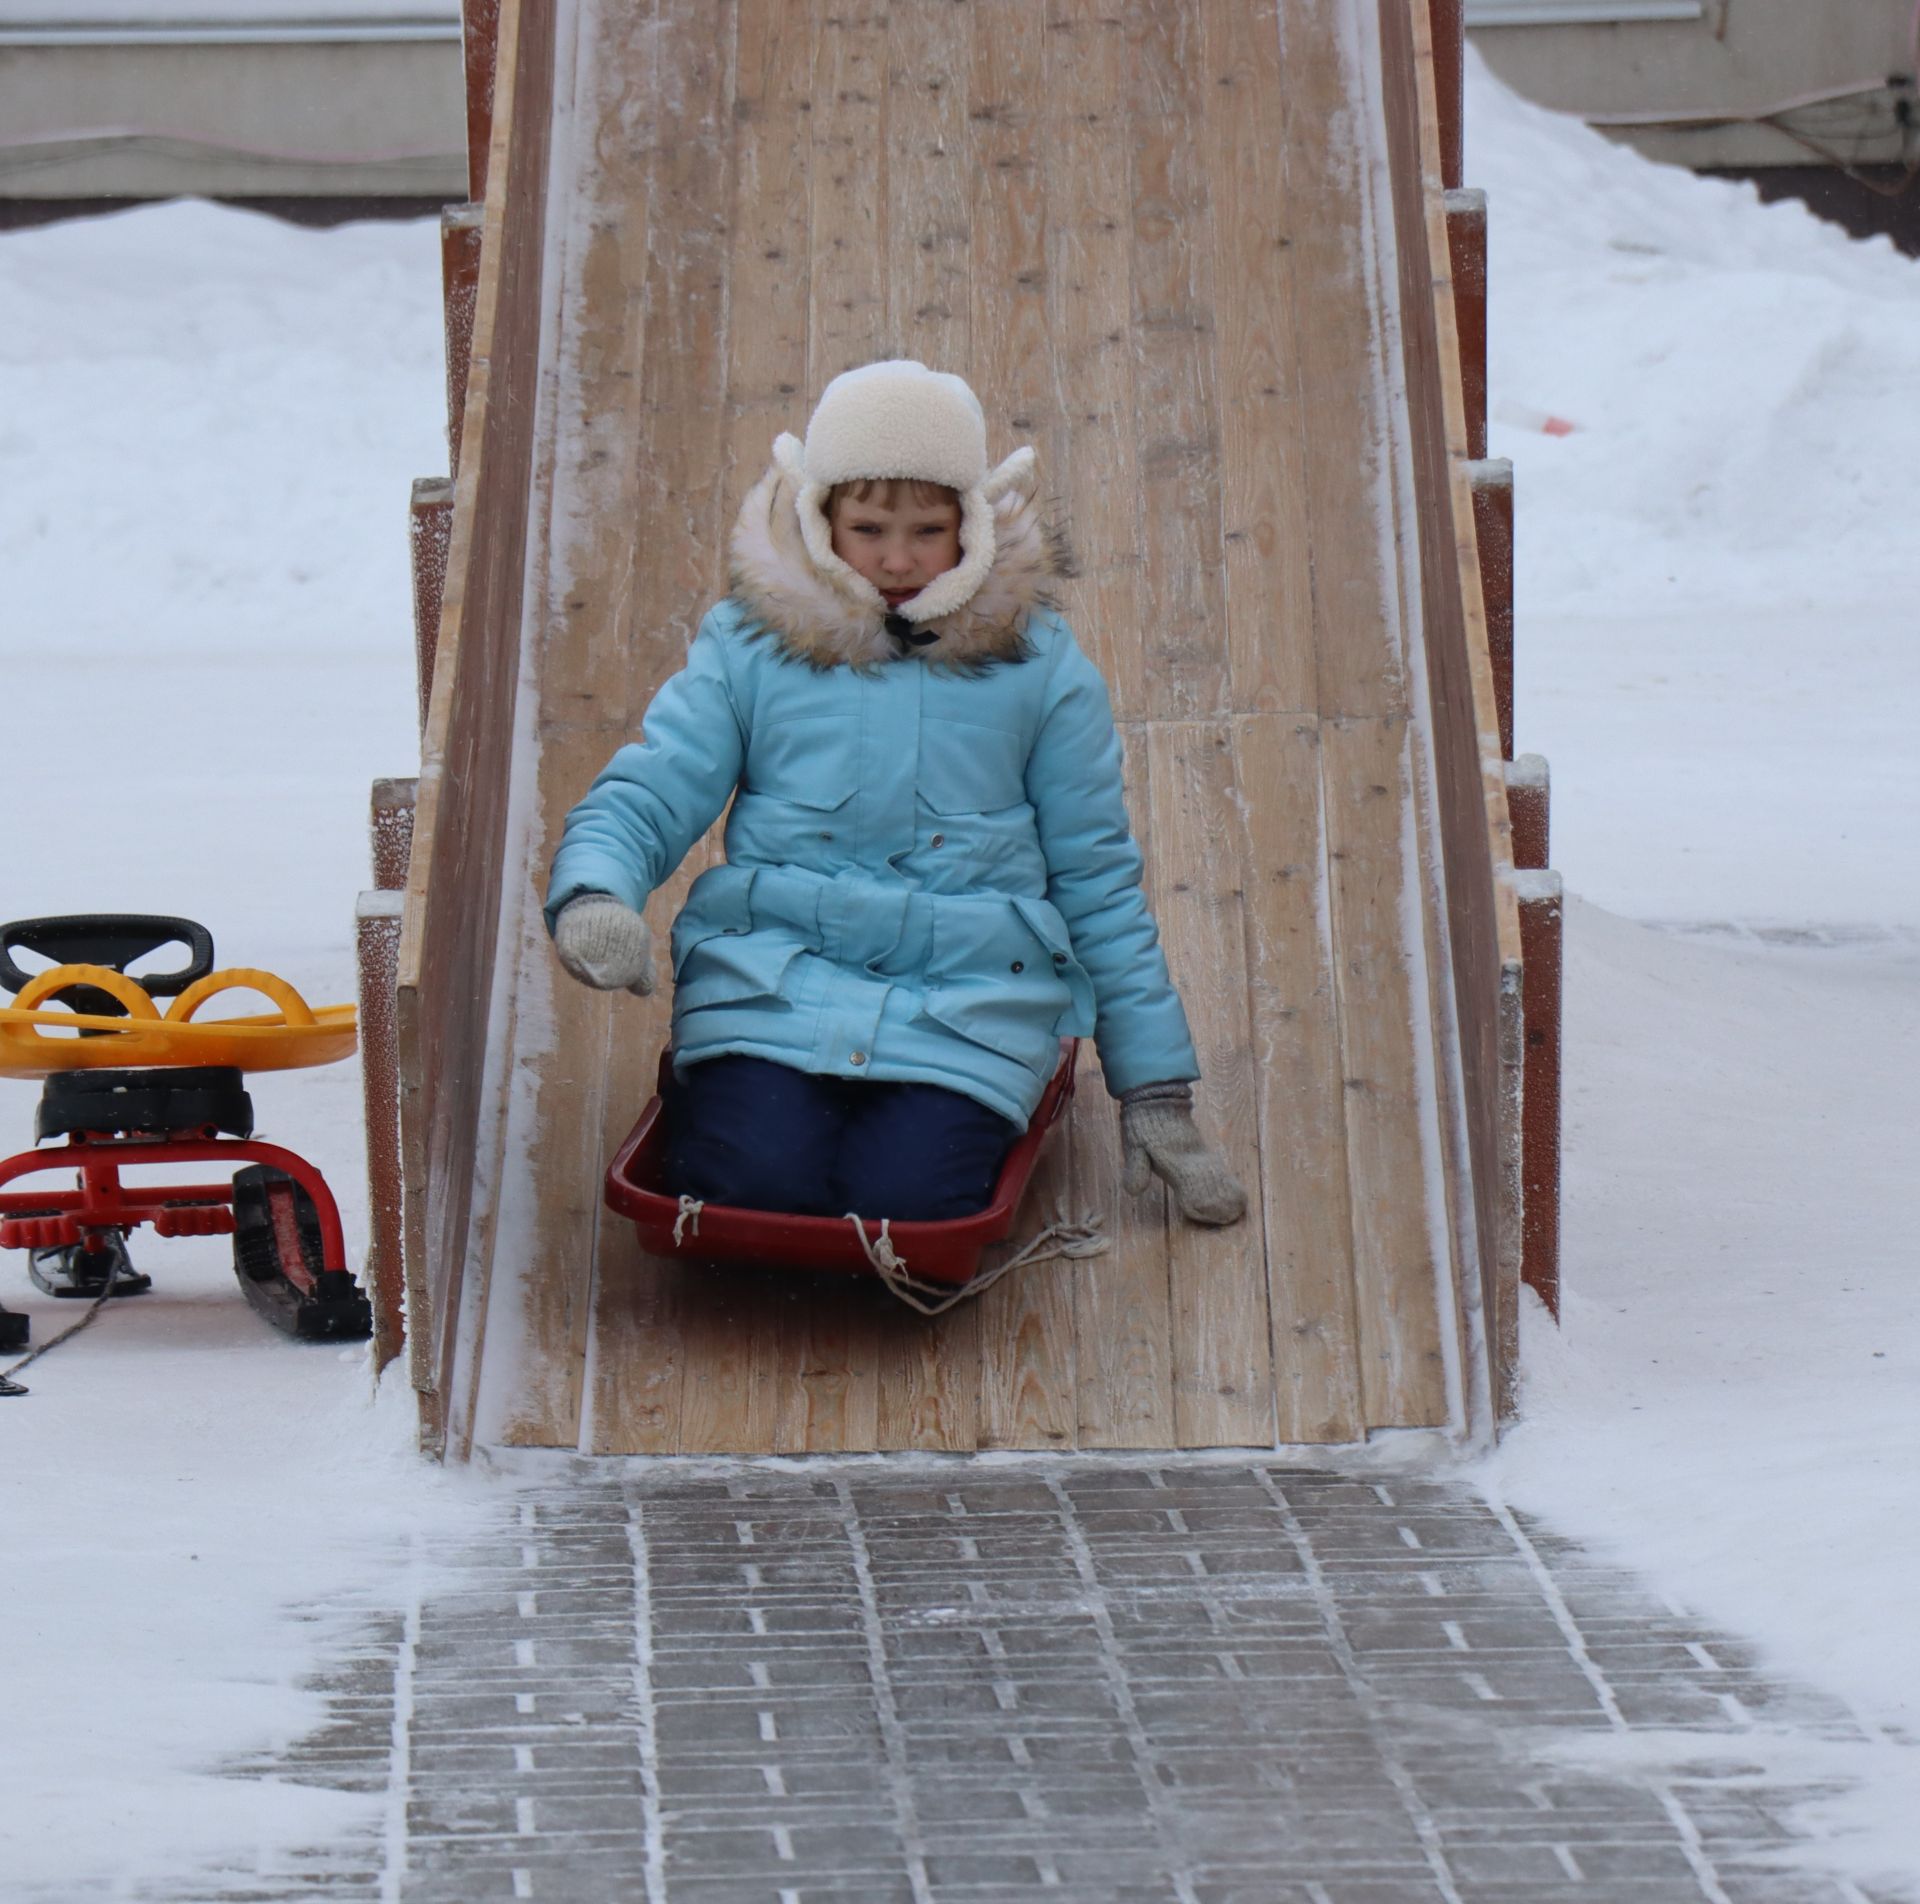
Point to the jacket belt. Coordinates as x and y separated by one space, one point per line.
856 919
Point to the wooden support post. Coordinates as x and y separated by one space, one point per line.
430 535
1502 1284
480 35
392 826
377 932
1492 480
1467 261
1450 86
1541 913
460 227
1528 801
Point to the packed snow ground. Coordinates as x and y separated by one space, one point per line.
207 427
208 422
1715 652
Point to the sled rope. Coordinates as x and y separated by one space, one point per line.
690 1208
8 1386
1061 1237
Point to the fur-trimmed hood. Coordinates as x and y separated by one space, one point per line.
823 613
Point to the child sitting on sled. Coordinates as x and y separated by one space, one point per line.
930 877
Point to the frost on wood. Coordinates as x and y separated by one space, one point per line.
430 537
391 824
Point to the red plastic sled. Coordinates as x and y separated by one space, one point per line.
946 1253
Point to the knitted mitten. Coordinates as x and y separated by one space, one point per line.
604 944
1161 1139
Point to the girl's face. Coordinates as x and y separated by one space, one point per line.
899 549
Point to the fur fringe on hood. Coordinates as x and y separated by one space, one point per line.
831 620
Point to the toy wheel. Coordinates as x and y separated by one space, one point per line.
277 1258
74 1269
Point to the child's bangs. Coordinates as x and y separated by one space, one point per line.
888 492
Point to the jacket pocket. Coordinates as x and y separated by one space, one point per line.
1044 921
806 760
968 767
995 981
719 956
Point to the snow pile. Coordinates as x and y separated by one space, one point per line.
1716 566
1743 362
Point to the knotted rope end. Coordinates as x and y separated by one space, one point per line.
690 1208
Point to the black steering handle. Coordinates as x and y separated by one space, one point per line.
113 939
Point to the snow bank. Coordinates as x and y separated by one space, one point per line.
1734 1398
1716 565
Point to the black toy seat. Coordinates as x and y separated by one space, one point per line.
153 1101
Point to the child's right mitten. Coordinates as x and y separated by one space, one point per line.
605 944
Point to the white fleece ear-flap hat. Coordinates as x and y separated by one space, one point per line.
900 419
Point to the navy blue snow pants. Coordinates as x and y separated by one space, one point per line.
763 1136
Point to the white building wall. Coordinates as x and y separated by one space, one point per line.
1720 68
231 98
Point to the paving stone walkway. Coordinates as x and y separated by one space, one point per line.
1075 1683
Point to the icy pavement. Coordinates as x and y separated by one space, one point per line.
1205 1681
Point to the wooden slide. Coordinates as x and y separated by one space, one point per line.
1196 252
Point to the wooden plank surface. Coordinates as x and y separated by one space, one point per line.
1025 1324
1356 651
1124 224
1089 319
930 182
771 221
1123 1305
460 868
1175 415
848 277
1265 552
1026 1346
579 590
1396 1278
669 1370
1302 1166
1222 1336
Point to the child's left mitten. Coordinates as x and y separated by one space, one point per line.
1162 1140
605 944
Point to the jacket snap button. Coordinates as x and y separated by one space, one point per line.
939 839
1019 965
859 1057
826 836
1059 958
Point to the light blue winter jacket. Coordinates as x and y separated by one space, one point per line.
929 876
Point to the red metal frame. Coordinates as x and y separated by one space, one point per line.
50 1218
